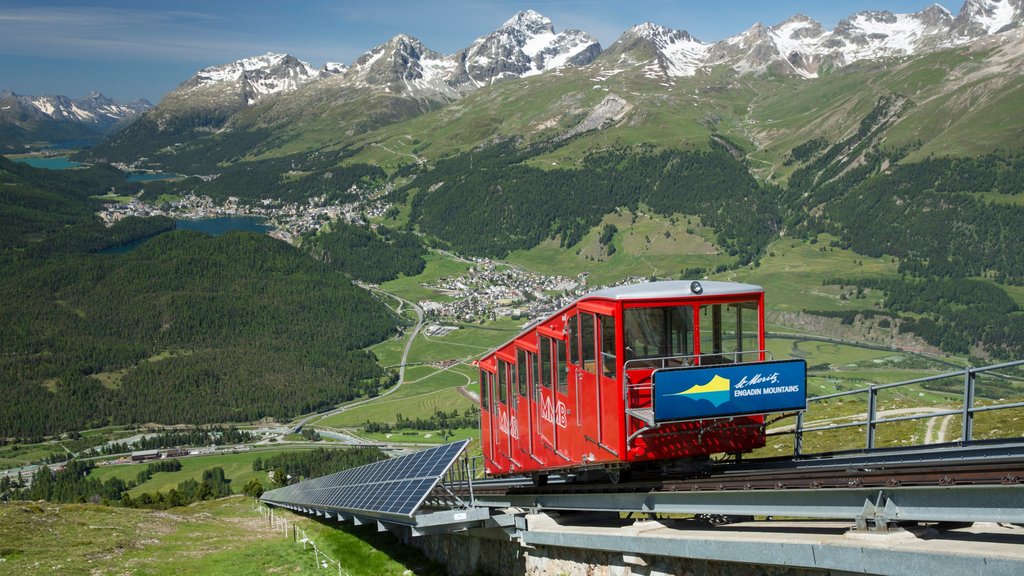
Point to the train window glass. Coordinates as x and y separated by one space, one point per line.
573 328
521 371
490 386
563 371
535 374
728 333
609 366
545 362
587 347
502 382
664 332
483 390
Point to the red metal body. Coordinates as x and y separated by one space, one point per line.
573 391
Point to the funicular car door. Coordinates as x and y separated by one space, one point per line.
486 421
523 438
553 394
507 428
603 412
589 400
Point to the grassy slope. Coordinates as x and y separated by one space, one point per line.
210 538
237 467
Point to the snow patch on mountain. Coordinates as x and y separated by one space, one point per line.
525 45
94 109
258 76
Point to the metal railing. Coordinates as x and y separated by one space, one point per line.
630 389
872 420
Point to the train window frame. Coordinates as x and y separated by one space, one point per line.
534 360
521 373
659 332
502 382
573 334
546 362
715 347
484 391
562 378
588 342
606 325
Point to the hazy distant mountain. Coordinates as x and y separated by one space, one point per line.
28 119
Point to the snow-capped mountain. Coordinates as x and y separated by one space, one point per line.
524 45
801 46
666 52
331 69
94 110
402 65
255 77
985 17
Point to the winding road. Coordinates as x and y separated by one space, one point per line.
401 367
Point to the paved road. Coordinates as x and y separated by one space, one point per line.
401 368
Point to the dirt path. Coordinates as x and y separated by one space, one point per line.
938 436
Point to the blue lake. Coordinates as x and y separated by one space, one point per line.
50 163
211 226
218 226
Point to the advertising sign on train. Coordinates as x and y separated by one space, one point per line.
729 390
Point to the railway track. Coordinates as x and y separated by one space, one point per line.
1005 473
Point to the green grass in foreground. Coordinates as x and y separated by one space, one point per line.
222 537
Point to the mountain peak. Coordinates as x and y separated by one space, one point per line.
984 17
530 22
669 53
257 76
524 45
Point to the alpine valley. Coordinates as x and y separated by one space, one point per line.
870 176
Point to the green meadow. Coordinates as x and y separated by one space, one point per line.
212 538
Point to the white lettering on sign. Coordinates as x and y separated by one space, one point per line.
781 389
503 422
757 379
546 412
562 420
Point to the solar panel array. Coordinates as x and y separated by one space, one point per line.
397 486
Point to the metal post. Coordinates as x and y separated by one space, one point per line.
968 424
472 475
872 406
798 435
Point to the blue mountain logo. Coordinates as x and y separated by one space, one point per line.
717 391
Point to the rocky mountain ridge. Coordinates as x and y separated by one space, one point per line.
93 109
285 98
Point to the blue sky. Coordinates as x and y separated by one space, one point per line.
145 48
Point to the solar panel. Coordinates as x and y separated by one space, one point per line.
397 486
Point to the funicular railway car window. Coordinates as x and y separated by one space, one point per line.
502 382
563 371
574 340
483 390
664 332
490 386
609 365
728 333
536 376
521 372
545 362
587 348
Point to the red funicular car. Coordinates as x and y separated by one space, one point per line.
653 376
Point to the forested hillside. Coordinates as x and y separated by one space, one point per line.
185 329
369 255
488 202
